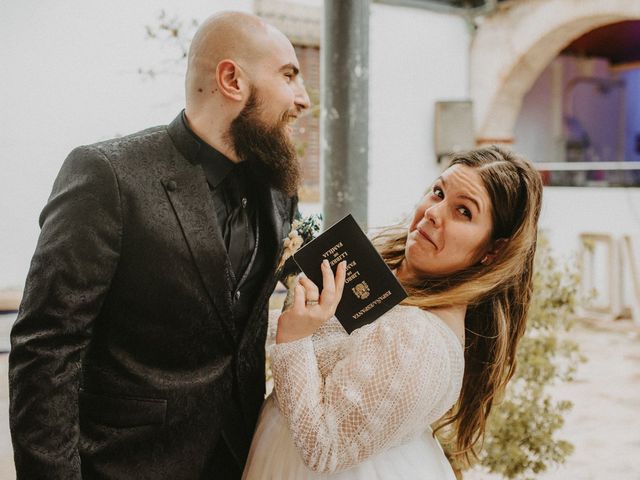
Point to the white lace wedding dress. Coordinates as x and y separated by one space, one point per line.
360 406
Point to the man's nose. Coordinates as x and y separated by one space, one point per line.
302 97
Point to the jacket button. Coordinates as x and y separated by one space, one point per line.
171 185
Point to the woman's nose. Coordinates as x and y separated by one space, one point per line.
433 214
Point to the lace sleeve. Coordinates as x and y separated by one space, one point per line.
392 380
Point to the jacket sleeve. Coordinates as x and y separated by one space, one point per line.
71 270
393 379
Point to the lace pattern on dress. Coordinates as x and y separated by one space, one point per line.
347 397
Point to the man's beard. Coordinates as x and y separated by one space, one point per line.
267 147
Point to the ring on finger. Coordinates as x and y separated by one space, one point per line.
311 302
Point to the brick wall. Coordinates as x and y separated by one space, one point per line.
308 127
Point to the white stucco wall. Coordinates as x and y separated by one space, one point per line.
416 58
71 78
538 130
68 77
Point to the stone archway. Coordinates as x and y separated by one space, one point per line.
512 47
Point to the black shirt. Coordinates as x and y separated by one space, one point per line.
235 207
243 224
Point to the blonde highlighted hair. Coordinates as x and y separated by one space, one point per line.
497 295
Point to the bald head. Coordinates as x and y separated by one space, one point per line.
241 69
240 37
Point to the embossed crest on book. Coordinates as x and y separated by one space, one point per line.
371 289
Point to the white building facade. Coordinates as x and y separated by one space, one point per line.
72 78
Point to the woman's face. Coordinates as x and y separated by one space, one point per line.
451 228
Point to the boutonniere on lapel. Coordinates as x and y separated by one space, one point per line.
303 230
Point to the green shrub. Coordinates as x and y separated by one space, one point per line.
520 439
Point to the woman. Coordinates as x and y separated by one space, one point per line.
360 406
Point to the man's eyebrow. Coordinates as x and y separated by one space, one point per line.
290 66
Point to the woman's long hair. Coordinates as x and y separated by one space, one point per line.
497 295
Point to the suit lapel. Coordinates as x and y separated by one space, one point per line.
189 195
279 222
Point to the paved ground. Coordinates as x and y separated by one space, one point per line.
604 425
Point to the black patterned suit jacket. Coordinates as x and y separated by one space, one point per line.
125 352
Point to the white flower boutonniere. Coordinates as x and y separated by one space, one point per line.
303 230
291 244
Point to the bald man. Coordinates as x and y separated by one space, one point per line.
138 352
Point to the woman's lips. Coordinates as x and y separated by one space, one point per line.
424 235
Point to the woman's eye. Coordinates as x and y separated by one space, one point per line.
465 211
437 191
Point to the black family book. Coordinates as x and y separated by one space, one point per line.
370 290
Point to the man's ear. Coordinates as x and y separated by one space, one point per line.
230 80
493 252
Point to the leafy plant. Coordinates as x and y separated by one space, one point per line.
520 440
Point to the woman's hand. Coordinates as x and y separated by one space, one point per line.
310 308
